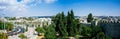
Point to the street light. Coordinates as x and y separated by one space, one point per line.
4 22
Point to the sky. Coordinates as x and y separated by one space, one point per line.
52 7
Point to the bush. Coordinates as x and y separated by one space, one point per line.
22 36
3 35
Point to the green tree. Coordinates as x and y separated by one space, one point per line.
72 15
66 25
50 32
12 18
86 31
30 18
60 22
71 23
89 18
1 25
26 28
8 26
95 30
69 26
77 27
40 30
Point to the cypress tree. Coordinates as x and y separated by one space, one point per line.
90 18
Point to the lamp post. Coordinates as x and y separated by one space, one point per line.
4 22
23 24
4 16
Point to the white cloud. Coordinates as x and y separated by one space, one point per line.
18 8
3 7
34 2
50 1
13 7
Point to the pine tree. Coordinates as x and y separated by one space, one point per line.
60 23
70 23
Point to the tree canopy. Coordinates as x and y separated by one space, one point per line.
65 26
89 18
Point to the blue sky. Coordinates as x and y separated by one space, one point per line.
52 7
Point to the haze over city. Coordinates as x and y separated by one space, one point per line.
52 7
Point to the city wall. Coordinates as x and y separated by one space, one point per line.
111 28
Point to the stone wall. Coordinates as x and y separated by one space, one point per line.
111 28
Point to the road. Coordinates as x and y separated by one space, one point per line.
30 33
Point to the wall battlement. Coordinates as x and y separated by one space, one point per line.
108 21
